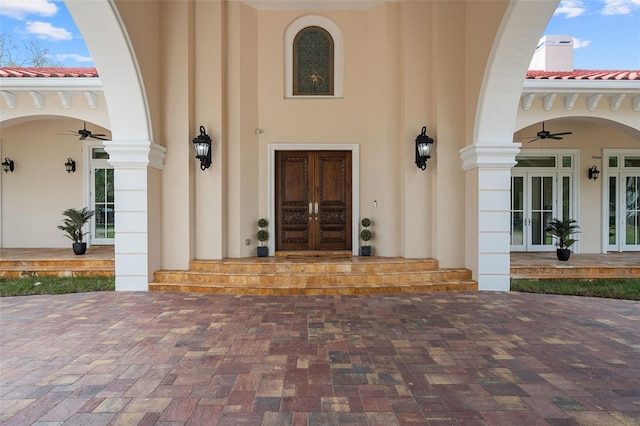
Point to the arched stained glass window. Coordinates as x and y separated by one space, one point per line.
313 62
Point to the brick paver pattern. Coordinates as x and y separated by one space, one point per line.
468 358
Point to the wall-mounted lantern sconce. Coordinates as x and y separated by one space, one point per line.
423 149
70 166
8 165
202 145
593 173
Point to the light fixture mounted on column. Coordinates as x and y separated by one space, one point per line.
8 165
70 166
593 173
423 149
202 146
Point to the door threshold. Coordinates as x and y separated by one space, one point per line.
333 254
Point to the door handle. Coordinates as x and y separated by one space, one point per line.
316 209
310 208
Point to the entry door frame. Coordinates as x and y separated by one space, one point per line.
355 184
619 171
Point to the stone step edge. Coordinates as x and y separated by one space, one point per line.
316 290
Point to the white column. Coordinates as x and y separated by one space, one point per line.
131 160
488 194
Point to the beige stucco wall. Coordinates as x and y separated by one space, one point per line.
221 65
39 189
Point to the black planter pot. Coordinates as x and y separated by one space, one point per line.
79 248
263 251
365 251
563 254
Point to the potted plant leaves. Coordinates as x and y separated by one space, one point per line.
365 235
262 235
562 231
73 225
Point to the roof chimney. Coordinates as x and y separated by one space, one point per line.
554 53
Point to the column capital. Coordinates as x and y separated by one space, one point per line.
135 154
489 156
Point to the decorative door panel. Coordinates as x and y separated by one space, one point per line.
313 200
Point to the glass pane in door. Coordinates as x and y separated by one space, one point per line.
613 209
632 210
517 210
104 204
541 209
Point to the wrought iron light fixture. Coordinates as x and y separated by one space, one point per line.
202 146
423 149
70 166
8 165
593 173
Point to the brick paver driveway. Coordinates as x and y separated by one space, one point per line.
471 358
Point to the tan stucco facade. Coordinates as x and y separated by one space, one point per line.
169 67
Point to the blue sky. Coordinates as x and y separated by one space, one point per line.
606 32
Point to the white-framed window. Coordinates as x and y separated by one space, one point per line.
322 35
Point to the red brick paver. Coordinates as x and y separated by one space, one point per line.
469 358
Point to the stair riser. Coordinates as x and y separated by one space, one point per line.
312 268
56 273
575 273
57 264
284 291
303 280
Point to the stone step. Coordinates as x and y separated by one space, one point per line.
318 275
76 267
575 272
283 290
282 265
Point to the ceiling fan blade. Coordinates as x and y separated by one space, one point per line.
99 137
82 138
533 140
561 134
99 134
555 137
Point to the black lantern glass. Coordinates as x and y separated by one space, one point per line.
424 144
7 165
593 173
70 166
202 146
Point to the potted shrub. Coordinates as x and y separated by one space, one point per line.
262 235
365 235
562 231
73 224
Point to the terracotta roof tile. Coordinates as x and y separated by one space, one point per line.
47 72
584 75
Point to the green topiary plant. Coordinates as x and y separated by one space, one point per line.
262 235
365 235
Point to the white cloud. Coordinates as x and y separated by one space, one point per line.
20 9
46 31
570 8
619 7
74 57
577 43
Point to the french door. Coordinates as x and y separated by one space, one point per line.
533 204
102 197
624 211
313 200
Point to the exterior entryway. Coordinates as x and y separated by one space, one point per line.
623 200
313 200
542 188
101 195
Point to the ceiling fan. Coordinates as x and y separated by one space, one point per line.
545 134
85 133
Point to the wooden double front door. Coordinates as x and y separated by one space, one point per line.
313 200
